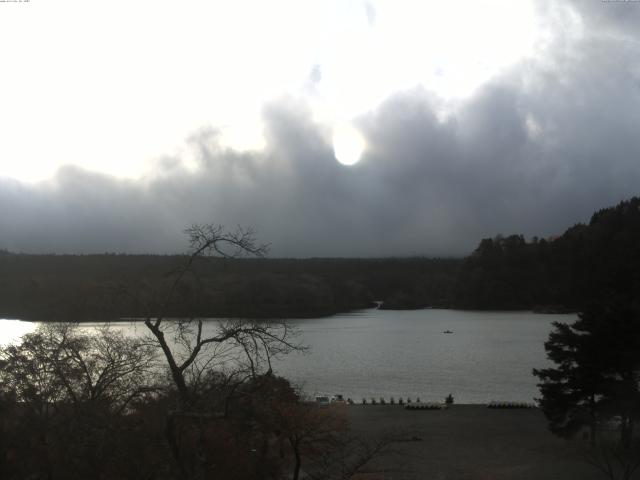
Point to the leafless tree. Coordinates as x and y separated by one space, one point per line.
71 393
613 459
58 364
189 347
349 454
237 349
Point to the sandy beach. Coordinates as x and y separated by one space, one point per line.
469 442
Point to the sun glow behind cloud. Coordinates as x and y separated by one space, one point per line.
112 86
348 144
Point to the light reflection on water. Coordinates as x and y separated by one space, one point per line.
376 353
373 353
11 330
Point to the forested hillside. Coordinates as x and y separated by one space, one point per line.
557 274
110 286
505 272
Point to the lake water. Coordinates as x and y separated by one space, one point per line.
374 353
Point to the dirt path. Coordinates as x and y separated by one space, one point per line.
470 442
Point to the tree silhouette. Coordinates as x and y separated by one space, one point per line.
597 372
192 351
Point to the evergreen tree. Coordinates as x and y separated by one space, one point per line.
571 390
597 371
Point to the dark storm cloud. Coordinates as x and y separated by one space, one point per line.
605 17
533 152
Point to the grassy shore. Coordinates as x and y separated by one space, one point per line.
469 442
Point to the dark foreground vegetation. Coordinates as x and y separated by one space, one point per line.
78 406
505 272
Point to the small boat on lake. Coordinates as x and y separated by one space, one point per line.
447 331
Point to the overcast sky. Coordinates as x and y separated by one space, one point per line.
335 128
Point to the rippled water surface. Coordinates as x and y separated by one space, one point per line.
373 353
489 355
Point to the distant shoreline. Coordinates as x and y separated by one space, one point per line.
126 319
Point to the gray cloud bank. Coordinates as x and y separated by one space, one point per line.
535 150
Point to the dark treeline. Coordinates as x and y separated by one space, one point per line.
505 272
79 287
563 273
